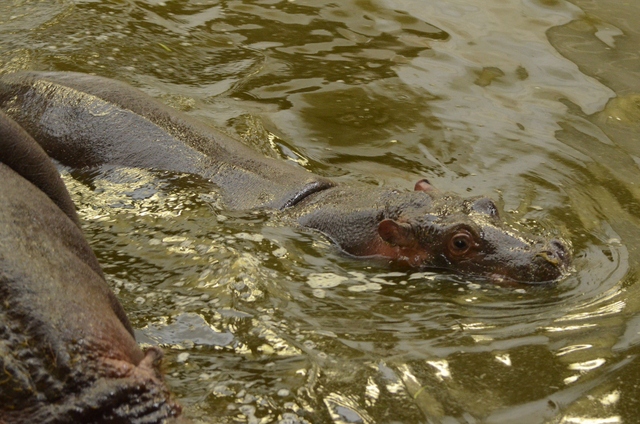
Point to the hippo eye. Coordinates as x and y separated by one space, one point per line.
460 243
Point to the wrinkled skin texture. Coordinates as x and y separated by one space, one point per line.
84 120
67 350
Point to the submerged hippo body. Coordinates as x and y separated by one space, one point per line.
84 120
67 351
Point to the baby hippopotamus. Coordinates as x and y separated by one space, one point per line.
428 229
84 121
67 351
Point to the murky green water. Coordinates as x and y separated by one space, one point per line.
534 103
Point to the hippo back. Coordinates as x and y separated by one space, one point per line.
66 347
84 120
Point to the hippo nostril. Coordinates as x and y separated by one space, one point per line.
555 252
557 244
559 249
549 256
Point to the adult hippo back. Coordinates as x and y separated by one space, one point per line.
84 120
67 351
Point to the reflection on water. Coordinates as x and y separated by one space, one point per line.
534 103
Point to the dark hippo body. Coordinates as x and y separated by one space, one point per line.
84 120
67 351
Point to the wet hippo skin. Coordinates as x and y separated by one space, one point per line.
83 121
67 350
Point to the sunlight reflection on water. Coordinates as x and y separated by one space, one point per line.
263 322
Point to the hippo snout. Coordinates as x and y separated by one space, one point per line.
550 262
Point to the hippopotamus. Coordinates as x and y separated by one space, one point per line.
67 349
86 121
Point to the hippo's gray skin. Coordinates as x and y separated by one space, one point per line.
429 229
67 351
84 120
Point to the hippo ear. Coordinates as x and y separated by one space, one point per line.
425 185
396 233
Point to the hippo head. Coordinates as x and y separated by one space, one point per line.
428 229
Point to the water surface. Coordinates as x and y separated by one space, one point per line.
533 103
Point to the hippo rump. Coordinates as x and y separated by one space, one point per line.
67 349
85 121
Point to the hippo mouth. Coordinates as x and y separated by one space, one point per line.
546 267
543 270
